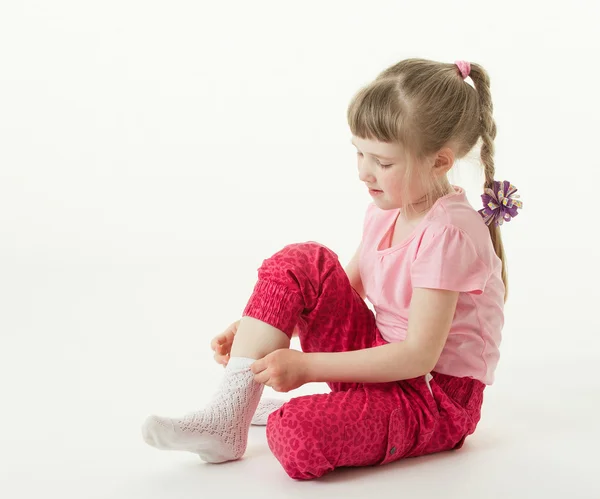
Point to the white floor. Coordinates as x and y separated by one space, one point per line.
86 361
524 447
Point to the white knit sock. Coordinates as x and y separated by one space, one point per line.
219 433
265 407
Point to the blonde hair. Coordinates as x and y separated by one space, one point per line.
425 105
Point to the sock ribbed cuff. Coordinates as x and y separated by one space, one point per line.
239 363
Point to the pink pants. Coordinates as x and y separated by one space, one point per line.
357 424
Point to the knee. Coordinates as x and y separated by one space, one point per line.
305 257
309 248
297 438
308 259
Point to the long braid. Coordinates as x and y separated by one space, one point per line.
488 134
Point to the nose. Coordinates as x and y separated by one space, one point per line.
364 172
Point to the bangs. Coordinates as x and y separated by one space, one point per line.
377 112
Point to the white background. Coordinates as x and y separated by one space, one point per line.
152 154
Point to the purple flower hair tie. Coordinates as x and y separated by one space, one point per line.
500 203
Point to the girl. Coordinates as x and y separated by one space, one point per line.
409 379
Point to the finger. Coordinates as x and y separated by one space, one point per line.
220 359
218 340
258 366
262 377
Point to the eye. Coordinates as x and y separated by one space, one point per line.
359 154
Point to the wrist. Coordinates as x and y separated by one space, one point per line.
308 368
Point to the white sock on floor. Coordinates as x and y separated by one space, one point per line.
266 407
218 433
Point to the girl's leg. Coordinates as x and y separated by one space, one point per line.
373 424
304 285
255 339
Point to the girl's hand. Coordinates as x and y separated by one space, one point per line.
283 370
221 344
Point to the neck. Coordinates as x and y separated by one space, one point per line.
417 210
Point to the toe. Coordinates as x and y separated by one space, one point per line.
158 431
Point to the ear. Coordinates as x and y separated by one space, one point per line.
443 161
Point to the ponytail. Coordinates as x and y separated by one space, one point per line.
481 81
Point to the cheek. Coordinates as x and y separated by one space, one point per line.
395 181
396 185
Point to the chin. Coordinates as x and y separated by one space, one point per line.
384 204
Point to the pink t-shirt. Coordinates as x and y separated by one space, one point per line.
450 249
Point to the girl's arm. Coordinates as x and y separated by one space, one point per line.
431 314
353 273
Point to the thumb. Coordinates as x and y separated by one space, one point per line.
258 366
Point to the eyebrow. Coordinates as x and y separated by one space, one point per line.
376 155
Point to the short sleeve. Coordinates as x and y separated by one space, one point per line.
449 261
